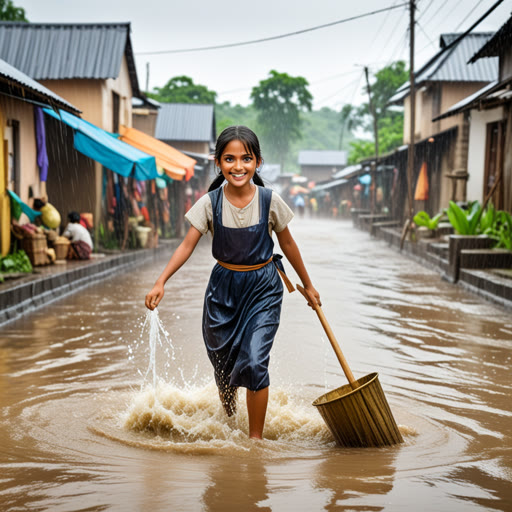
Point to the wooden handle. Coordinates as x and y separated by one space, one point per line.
327 328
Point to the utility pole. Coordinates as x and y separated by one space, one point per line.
147 76
376 137
412 101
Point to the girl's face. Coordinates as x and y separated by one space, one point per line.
237 165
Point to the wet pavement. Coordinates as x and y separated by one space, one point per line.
78 433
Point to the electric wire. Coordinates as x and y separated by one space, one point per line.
467 15
272 38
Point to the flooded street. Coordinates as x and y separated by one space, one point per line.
77 432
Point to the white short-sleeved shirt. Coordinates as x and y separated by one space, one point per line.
75 232
201 215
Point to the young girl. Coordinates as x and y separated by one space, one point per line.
242 304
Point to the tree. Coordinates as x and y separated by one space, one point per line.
389 119
279 100
349 120
9 12
182 89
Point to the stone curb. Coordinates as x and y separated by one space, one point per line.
480 282
32 293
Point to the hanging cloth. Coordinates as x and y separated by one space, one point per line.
421 192
42 155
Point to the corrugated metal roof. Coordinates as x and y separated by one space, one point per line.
11 75
312 157
185 121
55 51
451 64
455 68
499 41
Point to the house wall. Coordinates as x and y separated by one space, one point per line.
94 98
84 94
187 145
122 86
318 173
71 176
144 120
23 112
433 99
476 155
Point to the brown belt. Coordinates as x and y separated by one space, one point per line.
247 268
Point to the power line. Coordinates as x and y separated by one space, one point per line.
326 98
272 38
325 79
467 15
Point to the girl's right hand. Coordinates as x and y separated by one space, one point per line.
154 297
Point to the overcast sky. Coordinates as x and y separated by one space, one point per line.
331 59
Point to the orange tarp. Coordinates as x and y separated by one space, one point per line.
175 164
421 192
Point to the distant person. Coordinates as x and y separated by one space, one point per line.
300 204
242 304
81 241
314 206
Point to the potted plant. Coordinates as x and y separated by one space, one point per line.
426 225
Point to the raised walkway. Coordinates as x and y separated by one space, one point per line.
492 283
24 294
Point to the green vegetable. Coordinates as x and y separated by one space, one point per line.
16 262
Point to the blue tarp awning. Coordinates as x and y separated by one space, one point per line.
106 149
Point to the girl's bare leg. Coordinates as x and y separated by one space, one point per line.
257 409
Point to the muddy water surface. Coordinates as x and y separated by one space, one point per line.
78 433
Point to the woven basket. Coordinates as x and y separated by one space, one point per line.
36 247
61 249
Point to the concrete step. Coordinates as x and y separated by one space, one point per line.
485 258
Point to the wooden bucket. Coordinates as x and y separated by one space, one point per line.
359 417
358 413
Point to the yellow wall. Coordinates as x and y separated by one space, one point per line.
29 172
5 207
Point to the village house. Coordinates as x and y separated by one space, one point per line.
320 166
441 145
19 170
489 114
91 66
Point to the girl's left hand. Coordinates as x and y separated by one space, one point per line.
312 291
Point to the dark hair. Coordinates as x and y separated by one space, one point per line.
74 217
251 144
38 204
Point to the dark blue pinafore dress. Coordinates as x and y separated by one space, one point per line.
242 309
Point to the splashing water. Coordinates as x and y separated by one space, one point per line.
157 331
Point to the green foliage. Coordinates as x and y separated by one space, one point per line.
230 115
15 262
465 222
497 224
181 89
422 218
360 149
9 12
279 101
390 123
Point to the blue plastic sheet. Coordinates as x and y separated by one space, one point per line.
25 208
106 149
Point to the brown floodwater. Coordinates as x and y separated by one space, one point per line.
79 429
